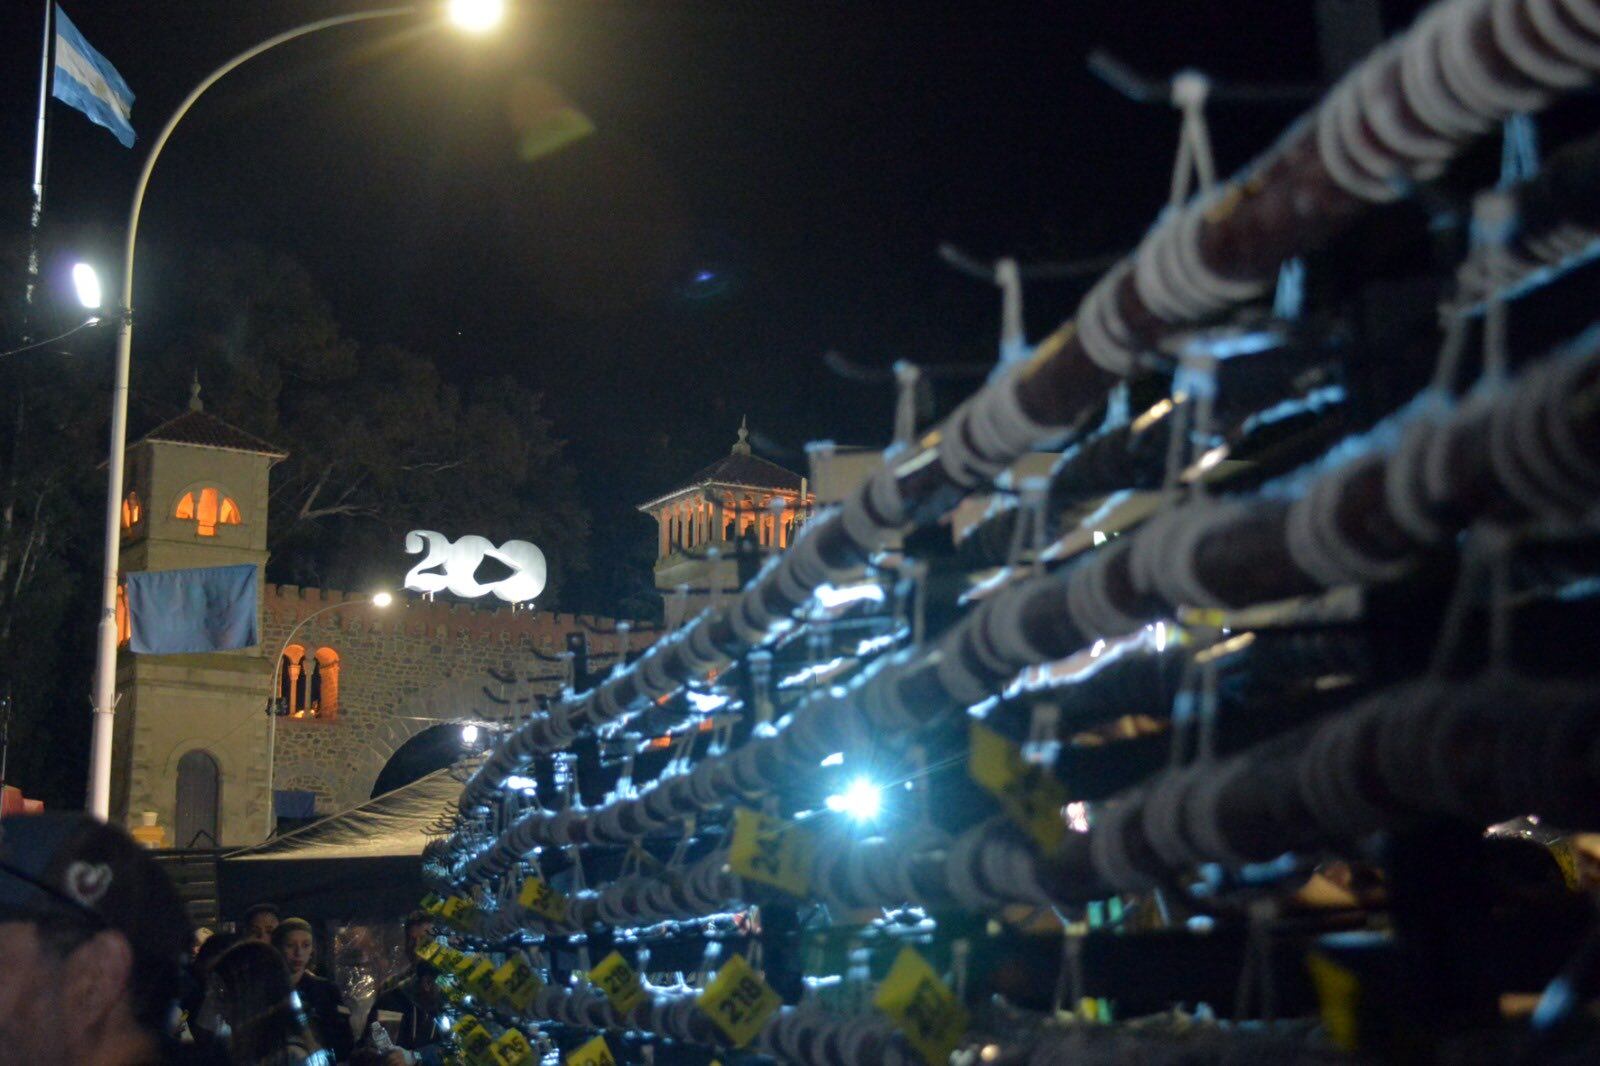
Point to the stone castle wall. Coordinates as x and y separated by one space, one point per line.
409 667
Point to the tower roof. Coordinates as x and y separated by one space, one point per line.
196 427
209 431
741 469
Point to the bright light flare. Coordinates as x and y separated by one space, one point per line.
469 734
382 599
477 16
87 284
831 597
861 800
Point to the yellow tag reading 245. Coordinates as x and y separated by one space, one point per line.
538 897
512 1049
771 851
473 1036
618 981
1029 794
595 1053
458 911
479 978
738 1001
921 1006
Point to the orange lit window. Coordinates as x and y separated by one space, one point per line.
308 685
212 509
132 510
325 684
124 629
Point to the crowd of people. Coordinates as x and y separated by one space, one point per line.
99 966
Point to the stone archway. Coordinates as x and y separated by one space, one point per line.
436 747
449 702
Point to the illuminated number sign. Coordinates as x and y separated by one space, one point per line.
459 564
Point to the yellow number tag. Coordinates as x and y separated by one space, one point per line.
512 1049
462 964
595 1053
541 899
739 1002
1339 997
923 1008
515 984
771 851
618 981
446 959
480 976
458 911
473 1036
428 950
1029 794
431 903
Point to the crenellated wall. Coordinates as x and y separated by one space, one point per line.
408 667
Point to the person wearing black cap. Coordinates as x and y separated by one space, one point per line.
92 937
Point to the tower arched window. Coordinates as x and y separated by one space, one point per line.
132 511
308 685
208 507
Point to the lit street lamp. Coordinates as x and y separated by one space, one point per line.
87 284
379 600
474 15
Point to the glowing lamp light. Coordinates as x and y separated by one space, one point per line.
477 16
706 702
382 599
469 734
861 801
87 284
831 597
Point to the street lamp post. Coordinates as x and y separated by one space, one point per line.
471 15
379 600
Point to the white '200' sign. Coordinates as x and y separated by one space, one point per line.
460 562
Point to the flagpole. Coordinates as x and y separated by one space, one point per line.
105 663
38 149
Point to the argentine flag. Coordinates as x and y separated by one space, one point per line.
85 80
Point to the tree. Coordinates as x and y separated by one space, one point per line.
379 441
52 427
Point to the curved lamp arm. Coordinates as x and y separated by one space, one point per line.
105 674
277 668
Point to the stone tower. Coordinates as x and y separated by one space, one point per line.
741 499
191 740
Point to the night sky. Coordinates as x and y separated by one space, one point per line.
767 181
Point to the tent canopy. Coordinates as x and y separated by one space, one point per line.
363 862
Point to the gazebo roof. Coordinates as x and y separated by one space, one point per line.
738 469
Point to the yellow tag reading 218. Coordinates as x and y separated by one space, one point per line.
739 1002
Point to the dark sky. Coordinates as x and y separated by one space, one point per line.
809 157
